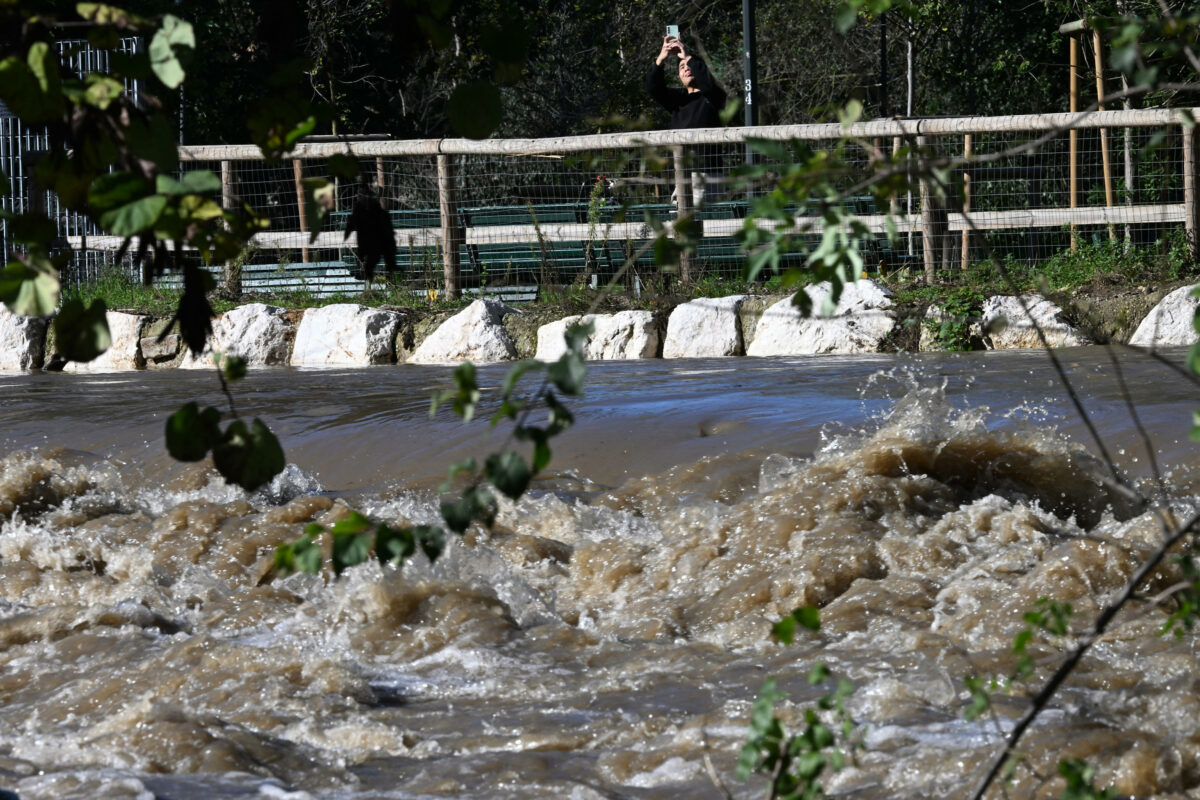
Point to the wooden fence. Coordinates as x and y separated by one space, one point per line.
946 226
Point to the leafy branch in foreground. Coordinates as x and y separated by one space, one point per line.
354 539
248 455
796 762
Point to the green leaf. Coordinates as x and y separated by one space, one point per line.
115 189
32 228
103 14
468 391
394 546
303 554
784 629
343 165
318 202
458 514
475 109
22 93
81 334
153 139
170 50
509 473
818 674
350 549
201 181
30 290
807 616
353 523
191 433
134 218
233 368
432 540
568 373
102 90
248 455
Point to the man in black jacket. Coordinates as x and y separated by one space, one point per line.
697 105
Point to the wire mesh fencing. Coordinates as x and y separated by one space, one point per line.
473 216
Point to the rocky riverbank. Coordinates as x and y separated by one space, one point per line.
866 318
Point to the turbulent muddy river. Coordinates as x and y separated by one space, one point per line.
608 638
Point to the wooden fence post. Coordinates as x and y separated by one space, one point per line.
1098 47
298 174
929 220
966 203
683 206
1191 190
233 270
1073 136
452 234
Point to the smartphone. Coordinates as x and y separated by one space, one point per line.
673 31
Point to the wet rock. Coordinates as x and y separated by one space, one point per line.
624 335
1011 323
476 334
346 334
124 354
157 351
704 328
749 314
1170 322
22 341
257 332
859 323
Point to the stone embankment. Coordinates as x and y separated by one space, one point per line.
864 319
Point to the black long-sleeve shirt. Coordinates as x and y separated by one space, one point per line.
701 109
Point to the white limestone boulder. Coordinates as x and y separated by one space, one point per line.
1169 324
125 352
703 328
474 334
346 334
1011 323
859 323
22 341
620 336
260 334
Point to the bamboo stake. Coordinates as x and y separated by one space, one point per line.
1098 48
298 174
1073 138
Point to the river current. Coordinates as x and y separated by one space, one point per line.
608 638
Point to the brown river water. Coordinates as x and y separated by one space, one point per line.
608 638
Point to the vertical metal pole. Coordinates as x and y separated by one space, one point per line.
883 66
749 94
452 235
683 207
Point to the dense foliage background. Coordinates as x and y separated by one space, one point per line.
389 66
